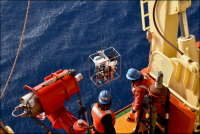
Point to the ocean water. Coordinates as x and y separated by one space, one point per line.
61 35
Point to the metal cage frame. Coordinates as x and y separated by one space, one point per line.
102 63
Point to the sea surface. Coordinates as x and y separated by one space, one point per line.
61 35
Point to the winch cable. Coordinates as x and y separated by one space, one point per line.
17 52
154 21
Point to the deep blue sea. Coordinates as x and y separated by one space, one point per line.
61 35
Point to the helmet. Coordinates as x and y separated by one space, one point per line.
104 97
133 74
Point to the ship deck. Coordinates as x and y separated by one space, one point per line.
122 125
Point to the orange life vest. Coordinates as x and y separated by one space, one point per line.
98 114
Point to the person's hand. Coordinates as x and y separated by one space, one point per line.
132 86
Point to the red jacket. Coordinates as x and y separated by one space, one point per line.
98 114
139 90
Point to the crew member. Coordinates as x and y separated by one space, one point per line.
100 115
139 86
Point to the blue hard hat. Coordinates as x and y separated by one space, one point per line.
133 74
104 97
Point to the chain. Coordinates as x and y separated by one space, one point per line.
44 127
71 128
82 111
79 99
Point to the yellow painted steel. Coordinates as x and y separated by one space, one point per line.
178 6
7 128
144 15
188 47
124 126
166 23
160 62
181 72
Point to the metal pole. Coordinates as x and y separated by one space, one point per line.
184 25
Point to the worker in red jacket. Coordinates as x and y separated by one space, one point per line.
101 116
139 87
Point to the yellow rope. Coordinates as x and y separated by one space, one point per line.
17 52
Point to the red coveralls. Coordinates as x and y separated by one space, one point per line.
139 90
